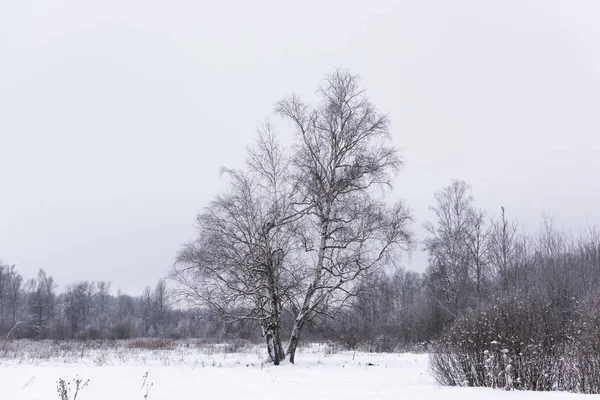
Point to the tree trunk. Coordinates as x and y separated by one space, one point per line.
300 319
273 326
293 344
274 347
478 266
304 311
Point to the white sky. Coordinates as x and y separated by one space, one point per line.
115 116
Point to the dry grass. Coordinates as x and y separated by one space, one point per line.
120 351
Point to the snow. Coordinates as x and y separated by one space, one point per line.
192 374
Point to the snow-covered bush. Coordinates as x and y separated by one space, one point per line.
523 343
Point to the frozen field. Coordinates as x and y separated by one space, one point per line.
219 373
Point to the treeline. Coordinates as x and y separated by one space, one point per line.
35 309
389 312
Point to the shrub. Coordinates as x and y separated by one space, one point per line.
528 343
67 392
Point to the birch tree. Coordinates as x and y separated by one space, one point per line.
238 266
342 165
299 233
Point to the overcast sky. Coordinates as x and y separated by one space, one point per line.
115 116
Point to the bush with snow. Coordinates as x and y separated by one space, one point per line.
525 343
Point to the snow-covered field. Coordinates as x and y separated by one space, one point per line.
215 373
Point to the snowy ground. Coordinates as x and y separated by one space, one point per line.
191 373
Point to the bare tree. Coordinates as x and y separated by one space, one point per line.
7 280
477 238
237 266
102 303
161 295
41 303
342 161
14 293
160 302
589 250
448 247
78 303
503 250
300 233
146 306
